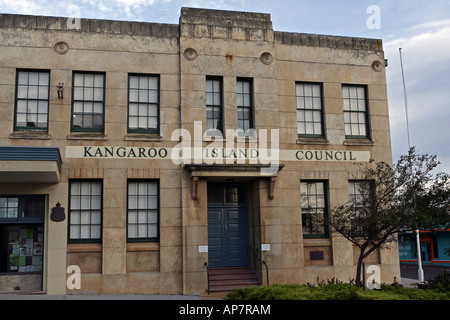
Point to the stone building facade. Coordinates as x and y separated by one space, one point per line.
93 118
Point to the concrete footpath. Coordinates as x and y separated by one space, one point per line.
430 272
43 296
410 276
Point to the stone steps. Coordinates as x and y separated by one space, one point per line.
227 279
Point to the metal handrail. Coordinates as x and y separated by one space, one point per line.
267 271
207 273
261 262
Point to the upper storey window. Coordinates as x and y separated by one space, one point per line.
356 112
244 105
32 100
143 103
214 118
309 110
88 101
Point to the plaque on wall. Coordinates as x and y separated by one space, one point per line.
57 214
316 255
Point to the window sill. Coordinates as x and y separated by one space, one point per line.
358 142
306 140
17 273
142 246
87 136
243 139
30 135
316 242
207 138
146 137
84 247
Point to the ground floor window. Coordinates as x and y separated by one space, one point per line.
85 211
143 211
21 248
314 209
21 233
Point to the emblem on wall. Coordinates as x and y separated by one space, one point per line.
61 47
190 54
266 58
377 66
57 214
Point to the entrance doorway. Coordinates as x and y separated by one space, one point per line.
428 247
426 251
228 228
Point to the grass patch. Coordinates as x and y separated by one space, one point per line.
339 291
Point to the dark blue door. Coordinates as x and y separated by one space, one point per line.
227 225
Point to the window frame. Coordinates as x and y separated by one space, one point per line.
325 209
369 185
6 262
250 107
70 210
312 109
16 100
220 126
158 195
158 105
82 129
20 204
366 113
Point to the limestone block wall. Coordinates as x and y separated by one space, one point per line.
229 45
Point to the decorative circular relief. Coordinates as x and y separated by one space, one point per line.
377 66
190 54
61 47
266 58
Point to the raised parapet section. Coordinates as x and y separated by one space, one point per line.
220 24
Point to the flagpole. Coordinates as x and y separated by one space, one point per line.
419 251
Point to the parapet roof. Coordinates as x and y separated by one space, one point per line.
193 17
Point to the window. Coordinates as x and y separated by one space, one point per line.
244 105
314 209
359 194
21 233
9 208
21 248
22 208
85 213
214 106
309 110
357 190
143 211
32 100
356 117
88 101
143 103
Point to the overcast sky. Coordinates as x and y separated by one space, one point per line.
421 28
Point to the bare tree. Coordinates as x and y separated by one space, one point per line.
388 200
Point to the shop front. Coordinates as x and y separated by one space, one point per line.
29 187
433 246
21 242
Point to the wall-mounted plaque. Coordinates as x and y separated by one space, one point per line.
57 214
316 255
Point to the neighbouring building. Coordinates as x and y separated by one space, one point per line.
433 244
153 157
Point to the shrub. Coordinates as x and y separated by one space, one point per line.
335 291
440 283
